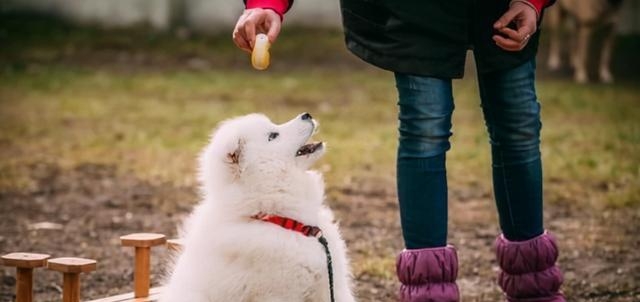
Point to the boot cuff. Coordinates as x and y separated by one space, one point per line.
428 275
528 269
521 257
432 265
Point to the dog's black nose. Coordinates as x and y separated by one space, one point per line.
306 116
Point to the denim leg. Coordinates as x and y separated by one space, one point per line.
512 116
425 108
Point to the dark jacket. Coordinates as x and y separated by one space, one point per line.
425 37
429 37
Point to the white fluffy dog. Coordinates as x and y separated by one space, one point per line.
231 253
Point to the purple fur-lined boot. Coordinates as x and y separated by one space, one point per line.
528 269
428 275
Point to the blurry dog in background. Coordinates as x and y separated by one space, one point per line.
587 16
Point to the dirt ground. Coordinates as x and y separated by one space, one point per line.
91 205
95 205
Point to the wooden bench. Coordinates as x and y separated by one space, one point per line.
71 268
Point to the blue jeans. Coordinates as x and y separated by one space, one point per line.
512 117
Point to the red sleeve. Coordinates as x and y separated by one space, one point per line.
279 6
540 4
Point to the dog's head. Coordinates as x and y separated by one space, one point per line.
251 147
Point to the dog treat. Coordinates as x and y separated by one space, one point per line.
260 54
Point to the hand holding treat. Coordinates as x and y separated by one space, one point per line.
260 54
254 33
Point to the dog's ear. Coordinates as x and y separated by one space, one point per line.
235 152
234 157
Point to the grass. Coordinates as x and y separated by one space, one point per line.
138 101
145 103
592 140
139 121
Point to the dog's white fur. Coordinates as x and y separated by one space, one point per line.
228 256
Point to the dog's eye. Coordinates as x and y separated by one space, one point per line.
273 135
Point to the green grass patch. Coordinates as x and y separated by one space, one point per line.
67 97
376 267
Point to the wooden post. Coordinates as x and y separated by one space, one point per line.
24 264
71 269
141 274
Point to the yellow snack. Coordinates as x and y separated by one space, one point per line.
260 54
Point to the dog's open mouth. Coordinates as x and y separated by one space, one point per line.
309 149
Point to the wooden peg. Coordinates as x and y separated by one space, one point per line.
24 264
141 274
71 269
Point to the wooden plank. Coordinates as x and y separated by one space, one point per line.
154 295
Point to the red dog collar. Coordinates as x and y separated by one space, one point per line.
307 230
290 224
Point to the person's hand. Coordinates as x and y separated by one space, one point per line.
254 21
525 19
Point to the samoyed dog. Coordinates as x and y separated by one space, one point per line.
255 236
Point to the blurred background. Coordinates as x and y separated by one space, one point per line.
104 106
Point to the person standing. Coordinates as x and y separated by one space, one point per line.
425 43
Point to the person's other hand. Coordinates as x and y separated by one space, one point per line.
254 21
525 19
